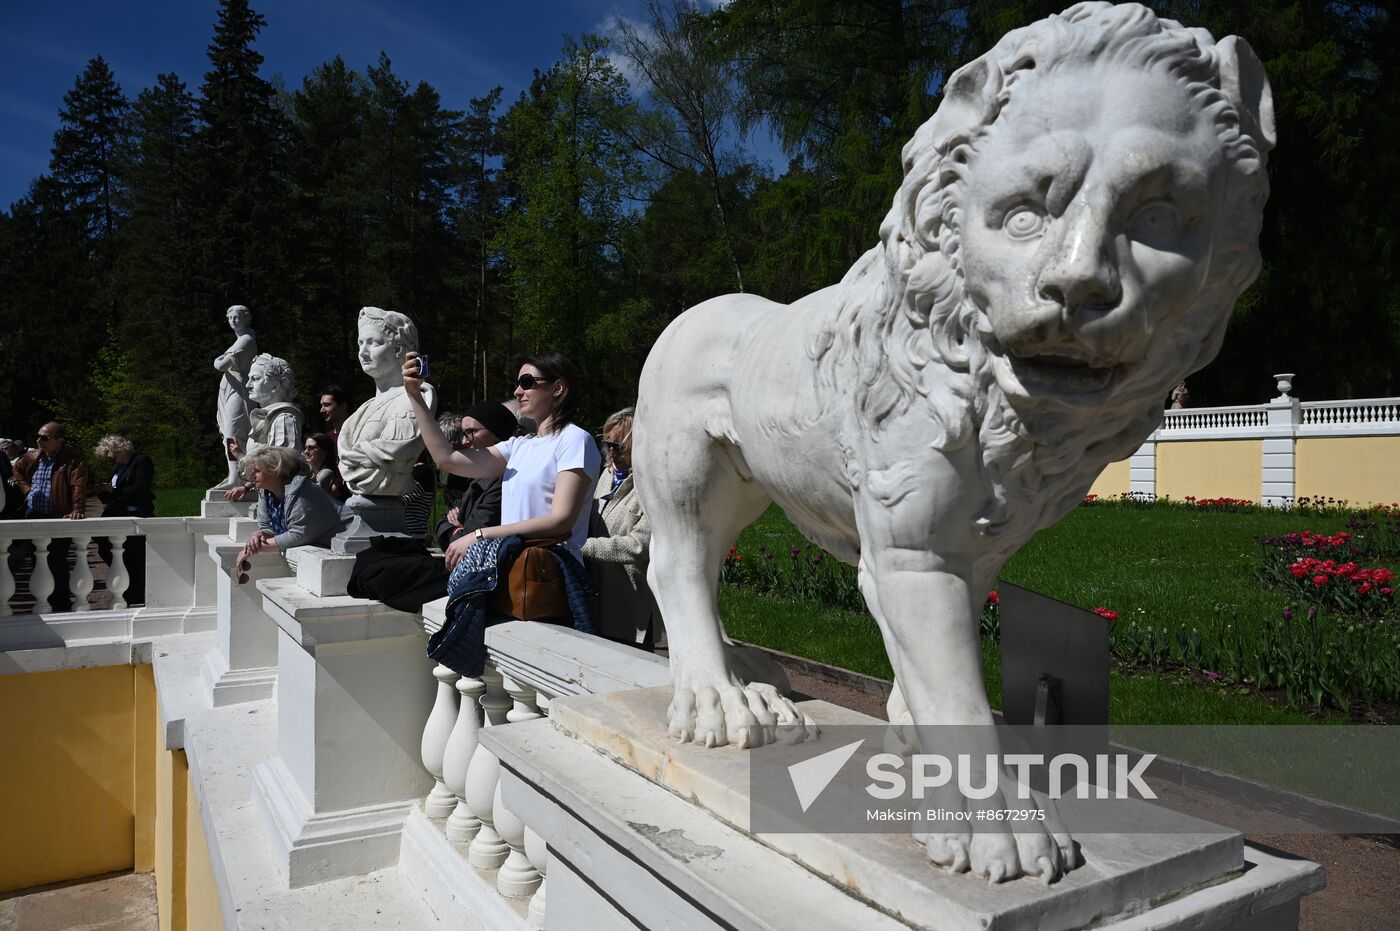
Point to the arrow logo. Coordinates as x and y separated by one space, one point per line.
811 777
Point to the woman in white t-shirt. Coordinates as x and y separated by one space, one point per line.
547 479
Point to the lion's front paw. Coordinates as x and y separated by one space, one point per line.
746 716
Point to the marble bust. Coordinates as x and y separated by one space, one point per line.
1073 228
234 407
379 443
277 420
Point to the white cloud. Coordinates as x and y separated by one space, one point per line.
611 27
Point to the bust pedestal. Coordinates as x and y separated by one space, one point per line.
354 687
242 666
368 517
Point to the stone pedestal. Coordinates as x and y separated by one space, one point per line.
243 665
366 518
214 504
353 690
663 829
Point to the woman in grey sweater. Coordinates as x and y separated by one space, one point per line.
292 509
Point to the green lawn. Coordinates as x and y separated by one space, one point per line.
852 641
178 502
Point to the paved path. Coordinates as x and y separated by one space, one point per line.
116 902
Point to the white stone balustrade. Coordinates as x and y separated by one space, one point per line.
1228 419
517 876
1368 415
41 534
179 595
436 734
487 850
529 665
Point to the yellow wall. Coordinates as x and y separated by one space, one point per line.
87 787
67 793
146 744
1209 469
1363 470
172 782
1112 481
201 892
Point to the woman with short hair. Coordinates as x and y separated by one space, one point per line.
620 544
292 509
127 494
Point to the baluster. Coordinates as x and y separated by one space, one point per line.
462 825
436 732
41 579
538 852
80 582
517 876
117 577
7 581
487 851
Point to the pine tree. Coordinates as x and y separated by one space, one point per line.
333 200
242 194
161 406
86 150
481 204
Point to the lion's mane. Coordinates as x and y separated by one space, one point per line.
908 327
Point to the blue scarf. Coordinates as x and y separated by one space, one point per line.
619 476
276 517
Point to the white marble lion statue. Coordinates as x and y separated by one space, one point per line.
1073 229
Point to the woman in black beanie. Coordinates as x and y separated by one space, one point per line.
484 425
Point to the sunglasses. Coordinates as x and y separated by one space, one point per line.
526 382
612 447
244 567
43 436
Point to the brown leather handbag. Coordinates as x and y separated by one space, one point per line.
533 588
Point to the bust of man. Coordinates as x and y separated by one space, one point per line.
380 442
276 420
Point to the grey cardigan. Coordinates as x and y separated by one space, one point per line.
313 516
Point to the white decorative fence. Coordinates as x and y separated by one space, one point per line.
1271 474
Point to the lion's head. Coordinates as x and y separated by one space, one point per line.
1074 226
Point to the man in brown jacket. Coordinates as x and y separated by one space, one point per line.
54 481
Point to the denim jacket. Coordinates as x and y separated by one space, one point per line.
461 644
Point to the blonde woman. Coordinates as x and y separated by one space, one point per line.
617 551
292 508
127 494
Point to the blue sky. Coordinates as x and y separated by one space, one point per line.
462 48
